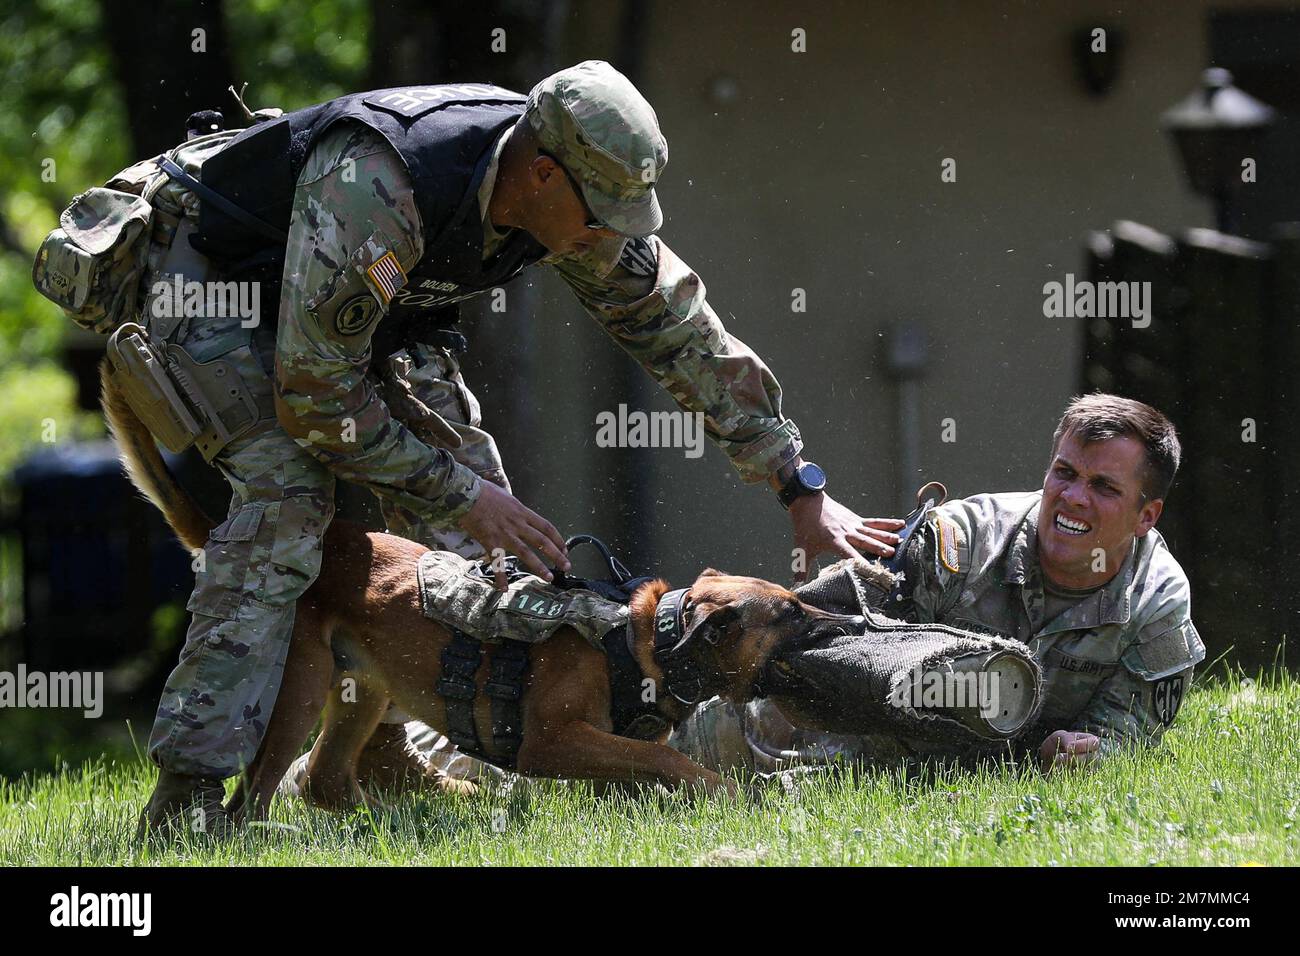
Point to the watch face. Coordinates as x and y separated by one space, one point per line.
812 477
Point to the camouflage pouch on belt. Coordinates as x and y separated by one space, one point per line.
459 593
91 265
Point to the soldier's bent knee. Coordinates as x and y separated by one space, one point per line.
266 552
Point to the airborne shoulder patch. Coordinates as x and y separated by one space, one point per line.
356 314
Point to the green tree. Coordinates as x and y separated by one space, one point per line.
78 77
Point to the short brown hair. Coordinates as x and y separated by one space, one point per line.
1100 417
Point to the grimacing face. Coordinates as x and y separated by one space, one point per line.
1092 499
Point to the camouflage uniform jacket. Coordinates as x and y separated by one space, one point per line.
646 298
1117 663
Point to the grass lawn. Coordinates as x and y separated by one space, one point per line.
1222 790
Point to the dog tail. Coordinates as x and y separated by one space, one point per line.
145 466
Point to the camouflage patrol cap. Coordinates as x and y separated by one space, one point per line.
592 119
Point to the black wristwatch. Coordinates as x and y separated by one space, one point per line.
808 479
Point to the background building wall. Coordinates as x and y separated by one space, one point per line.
823 173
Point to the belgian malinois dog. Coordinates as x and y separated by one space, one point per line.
714 638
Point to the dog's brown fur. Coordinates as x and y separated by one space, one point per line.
366 606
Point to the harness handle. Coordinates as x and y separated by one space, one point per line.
619 573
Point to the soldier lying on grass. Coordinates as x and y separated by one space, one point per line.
1076 571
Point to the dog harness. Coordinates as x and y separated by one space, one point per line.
461 659
460 595
688 676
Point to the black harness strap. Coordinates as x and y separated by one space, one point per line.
682 673
632 715
460 662
505 689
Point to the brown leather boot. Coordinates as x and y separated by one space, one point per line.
182 803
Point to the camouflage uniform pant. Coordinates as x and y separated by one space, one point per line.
266 554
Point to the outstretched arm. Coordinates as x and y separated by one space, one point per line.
654 306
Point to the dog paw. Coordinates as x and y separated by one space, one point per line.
436 780
333 794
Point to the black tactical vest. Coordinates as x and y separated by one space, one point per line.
445 136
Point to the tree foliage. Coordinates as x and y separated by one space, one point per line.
66 127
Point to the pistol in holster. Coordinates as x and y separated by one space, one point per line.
182 402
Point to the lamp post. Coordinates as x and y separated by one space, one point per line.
1215 129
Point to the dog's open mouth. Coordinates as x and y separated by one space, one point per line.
928 681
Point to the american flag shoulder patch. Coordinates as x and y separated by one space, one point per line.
952 545
386 277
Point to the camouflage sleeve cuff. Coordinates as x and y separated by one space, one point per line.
459 495
758 459
1120 731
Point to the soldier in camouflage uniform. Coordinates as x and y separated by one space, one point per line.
576 173
1076 571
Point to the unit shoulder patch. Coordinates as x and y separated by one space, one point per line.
356 314
1167 697
639 257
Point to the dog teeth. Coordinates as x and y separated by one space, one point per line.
1071 525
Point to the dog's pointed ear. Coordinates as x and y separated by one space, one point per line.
712 573
715 623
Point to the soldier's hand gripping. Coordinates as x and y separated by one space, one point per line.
823 524
499 520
